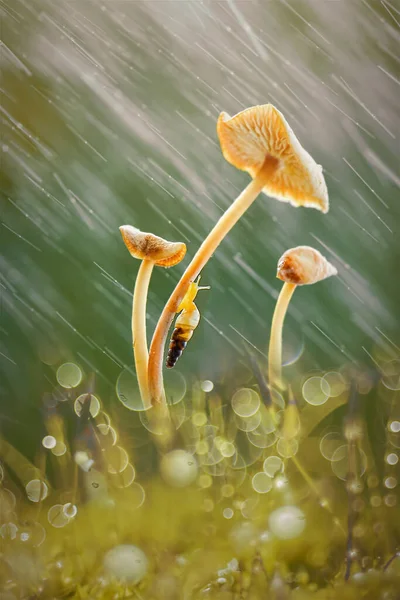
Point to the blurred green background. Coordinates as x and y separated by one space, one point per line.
108 117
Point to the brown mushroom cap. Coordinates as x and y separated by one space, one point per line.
147 246
252 135
304 265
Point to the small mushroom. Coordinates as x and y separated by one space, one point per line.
298 266
259 141
304 265
147 246
260 135
151 250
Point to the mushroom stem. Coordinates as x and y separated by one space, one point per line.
139 336
203 254
275 341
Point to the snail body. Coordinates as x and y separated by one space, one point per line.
185 324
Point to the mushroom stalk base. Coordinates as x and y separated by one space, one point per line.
139 336
204 253
275 341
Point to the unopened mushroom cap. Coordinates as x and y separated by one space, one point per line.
147 246
250 137
304 265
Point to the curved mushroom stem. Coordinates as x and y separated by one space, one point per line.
204 253
275 341
139 337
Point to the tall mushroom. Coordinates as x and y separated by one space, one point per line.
257 140
151 250
298 266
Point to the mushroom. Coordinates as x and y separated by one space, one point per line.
260 135
151 250
259 141
298 266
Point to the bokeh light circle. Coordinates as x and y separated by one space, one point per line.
126 563
287 448
126 477
287 522
69 375
261 438
116 458
245 402
36 490
390 482
150 418
207 385
392 458
94 407
109 434
59 449
56 516
340 462
261 482
227 449
316 391
137 495
272 465
330 443
7 503
70 510
175 386
391 375
8 531
248 423
178 468
128 392
49 442
199 419
32 533
336 382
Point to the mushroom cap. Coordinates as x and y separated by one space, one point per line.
252 135
304 265
147 246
